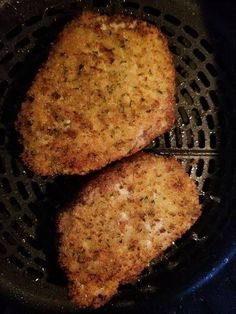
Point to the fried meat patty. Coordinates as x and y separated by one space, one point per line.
106 90
123 218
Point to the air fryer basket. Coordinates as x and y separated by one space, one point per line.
202 139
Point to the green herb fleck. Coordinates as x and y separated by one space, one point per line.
81 66
66 123
113 132
121 108
110 88
122 43
65 72
53 132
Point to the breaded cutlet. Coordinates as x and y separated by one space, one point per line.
106 90
122 219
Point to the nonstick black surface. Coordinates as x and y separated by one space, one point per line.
203 139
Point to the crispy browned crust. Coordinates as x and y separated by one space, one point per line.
106 90
123 218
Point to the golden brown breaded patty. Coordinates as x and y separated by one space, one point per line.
106 90
124 217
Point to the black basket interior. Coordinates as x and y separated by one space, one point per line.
202 139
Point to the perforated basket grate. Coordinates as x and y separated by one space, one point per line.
202 139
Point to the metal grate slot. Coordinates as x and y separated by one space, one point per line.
100 3
172 19
15 261
152 11
190 31
14 32
4 213
130 5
